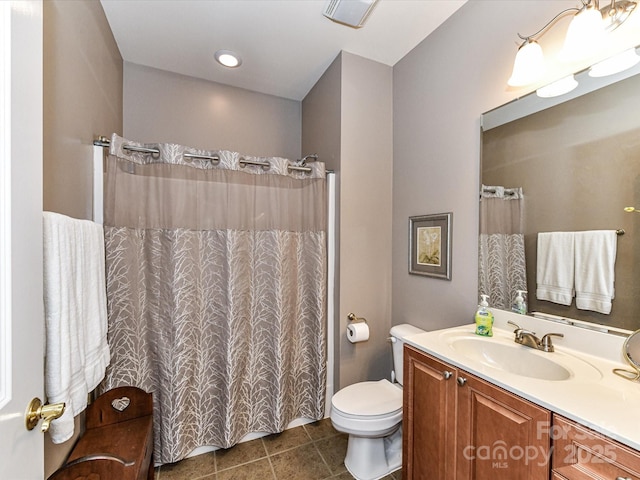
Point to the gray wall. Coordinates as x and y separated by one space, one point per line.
360 91
161 106
321 134
440 90
82 98
321 112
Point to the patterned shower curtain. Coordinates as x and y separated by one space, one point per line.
216 286
502 268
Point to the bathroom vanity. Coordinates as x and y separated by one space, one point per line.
488 408
446 409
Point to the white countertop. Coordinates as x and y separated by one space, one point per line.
593 396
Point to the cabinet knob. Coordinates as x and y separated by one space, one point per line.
623 478
447 375
461 381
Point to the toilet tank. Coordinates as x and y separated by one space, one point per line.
398 333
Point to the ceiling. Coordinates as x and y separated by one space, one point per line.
285 45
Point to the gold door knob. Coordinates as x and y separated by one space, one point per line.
36 411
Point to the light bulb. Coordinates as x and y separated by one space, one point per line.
227 58
557 88
528 66
584 36
617 63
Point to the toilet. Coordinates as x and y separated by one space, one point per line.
371 414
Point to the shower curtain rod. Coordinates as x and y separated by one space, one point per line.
507 191
105 142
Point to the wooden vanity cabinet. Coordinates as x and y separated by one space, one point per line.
580 453
458 426
499 435
429 418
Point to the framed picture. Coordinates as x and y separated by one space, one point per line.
430 245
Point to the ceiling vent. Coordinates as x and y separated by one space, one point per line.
349 12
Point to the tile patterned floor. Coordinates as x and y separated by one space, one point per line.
311 452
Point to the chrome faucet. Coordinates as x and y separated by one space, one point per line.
529 339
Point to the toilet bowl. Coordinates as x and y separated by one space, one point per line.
371 414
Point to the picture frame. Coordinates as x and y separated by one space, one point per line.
430 245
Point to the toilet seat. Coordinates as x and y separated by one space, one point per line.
367 408
368 399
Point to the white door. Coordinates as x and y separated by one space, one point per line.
21 306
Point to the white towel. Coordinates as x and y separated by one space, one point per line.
77 352
595 269
555 267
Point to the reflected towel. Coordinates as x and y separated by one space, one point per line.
595 253
77 352
555 267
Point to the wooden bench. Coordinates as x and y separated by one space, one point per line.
118 440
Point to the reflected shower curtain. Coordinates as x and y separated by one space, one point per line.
502 267
216 286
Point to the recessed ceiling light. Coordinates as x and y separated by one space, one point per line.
228 58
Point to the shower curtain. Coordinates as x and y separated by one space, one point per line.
502 267
216 286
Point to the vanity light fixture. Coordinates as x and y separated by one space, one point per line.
557 88
617 63
617 13
227 58
529 64
586 34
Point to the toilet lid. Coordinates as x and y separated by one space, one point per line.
368 398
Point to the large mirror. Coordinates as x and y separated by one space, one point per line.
577 164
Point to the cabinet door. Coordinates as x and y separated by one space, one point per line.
500 436
428 450
582 453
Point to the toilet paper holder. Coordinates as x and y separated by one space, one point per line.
352 318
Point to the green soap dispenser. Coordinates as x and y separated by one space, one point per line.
484 318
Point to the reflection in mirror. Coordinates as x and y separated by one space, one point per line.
631 352
501 258
577 165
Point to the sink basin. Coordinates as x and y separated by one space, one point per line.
501 353
514 358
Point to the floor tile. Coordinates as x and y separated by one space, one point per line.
347 476
300 463
190 468
258 470
291 438
333 450
239 454
320 429
343 476
312 452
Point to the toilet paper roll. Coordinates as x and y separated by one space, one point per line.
358 332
